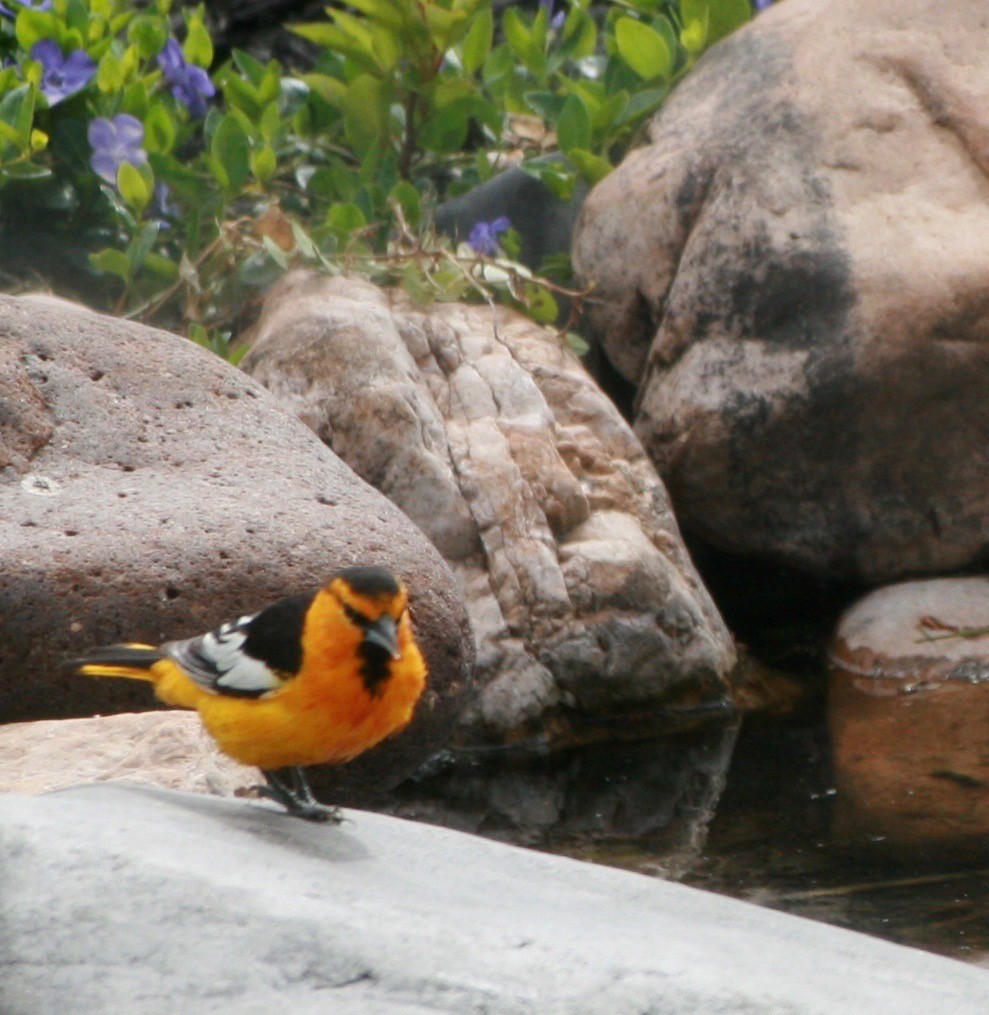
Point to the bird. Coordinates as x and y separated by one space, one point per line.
311 679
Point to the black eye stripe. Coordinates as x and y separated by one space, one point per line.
359 619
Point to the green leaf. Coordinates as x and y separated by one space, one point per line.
558 177
579 36
33 25
270 123
270 84
231 149
387 49
643 49
148 33
608 112
333 183
696 16
329 88
540 304
408 199
252 69
29 171
416 284
366 112
338 40
161 266
573 128
110 74
17 115
198 46
111 262
642 103
726 16
241 95
139 247
134 187
263 164
159 129
345 218
591 167
321 33
303 242
477 42
522 42
385 12
577 344
275 252
446 130
546 104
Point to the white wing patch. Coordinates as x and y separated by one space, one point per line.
217 661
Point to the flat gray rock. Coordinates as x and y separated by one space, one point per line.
136 900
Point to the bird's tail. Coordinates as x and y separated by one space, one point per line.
132 661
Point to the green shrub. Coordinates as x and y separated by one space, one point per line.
186 192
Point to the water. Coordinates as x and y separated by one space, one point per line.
745 814
769 843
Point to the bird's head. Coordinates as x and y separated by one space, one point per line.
374 600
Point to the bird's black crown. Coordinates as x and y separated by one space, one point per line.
370 581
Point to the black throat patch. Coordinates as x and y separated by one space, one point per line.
375 667
374 659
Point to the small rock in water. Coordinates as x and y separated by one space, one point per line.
908 712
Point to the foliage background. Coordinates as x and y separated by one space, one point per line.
145 177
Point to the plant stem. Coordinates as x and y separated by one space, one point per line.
410 138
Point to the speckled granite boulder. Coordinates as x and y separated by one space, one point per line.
793 272
148 490
493 438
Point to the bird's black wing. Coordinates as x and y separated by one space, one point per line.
248 657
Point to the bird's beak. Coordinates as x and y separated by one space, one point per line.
384 633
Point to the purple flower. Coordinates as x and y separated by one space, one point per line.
188 83
555 20
762 5
115 142
162 205
35 5
483 238
62 75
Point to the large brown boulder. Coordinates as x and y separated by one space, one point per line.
793 271
148 490
495 441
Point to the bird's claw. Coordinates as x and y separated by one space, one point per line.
298 799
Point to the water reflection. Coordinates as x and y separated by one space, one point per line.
653 796
751 819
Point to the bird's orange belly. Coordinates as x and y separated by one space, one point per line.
283 731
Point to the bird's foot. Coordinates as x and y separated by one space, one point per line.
298 798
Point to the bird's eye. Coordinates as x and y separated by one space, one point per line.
355 616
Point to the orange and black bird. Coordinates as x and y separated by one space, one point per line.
311 679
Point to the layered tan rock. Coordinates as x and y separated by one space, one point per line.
908 713
169 749
793 272
493 439
149 490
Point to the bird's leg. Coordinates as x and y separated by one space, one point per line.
303 792
298 799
